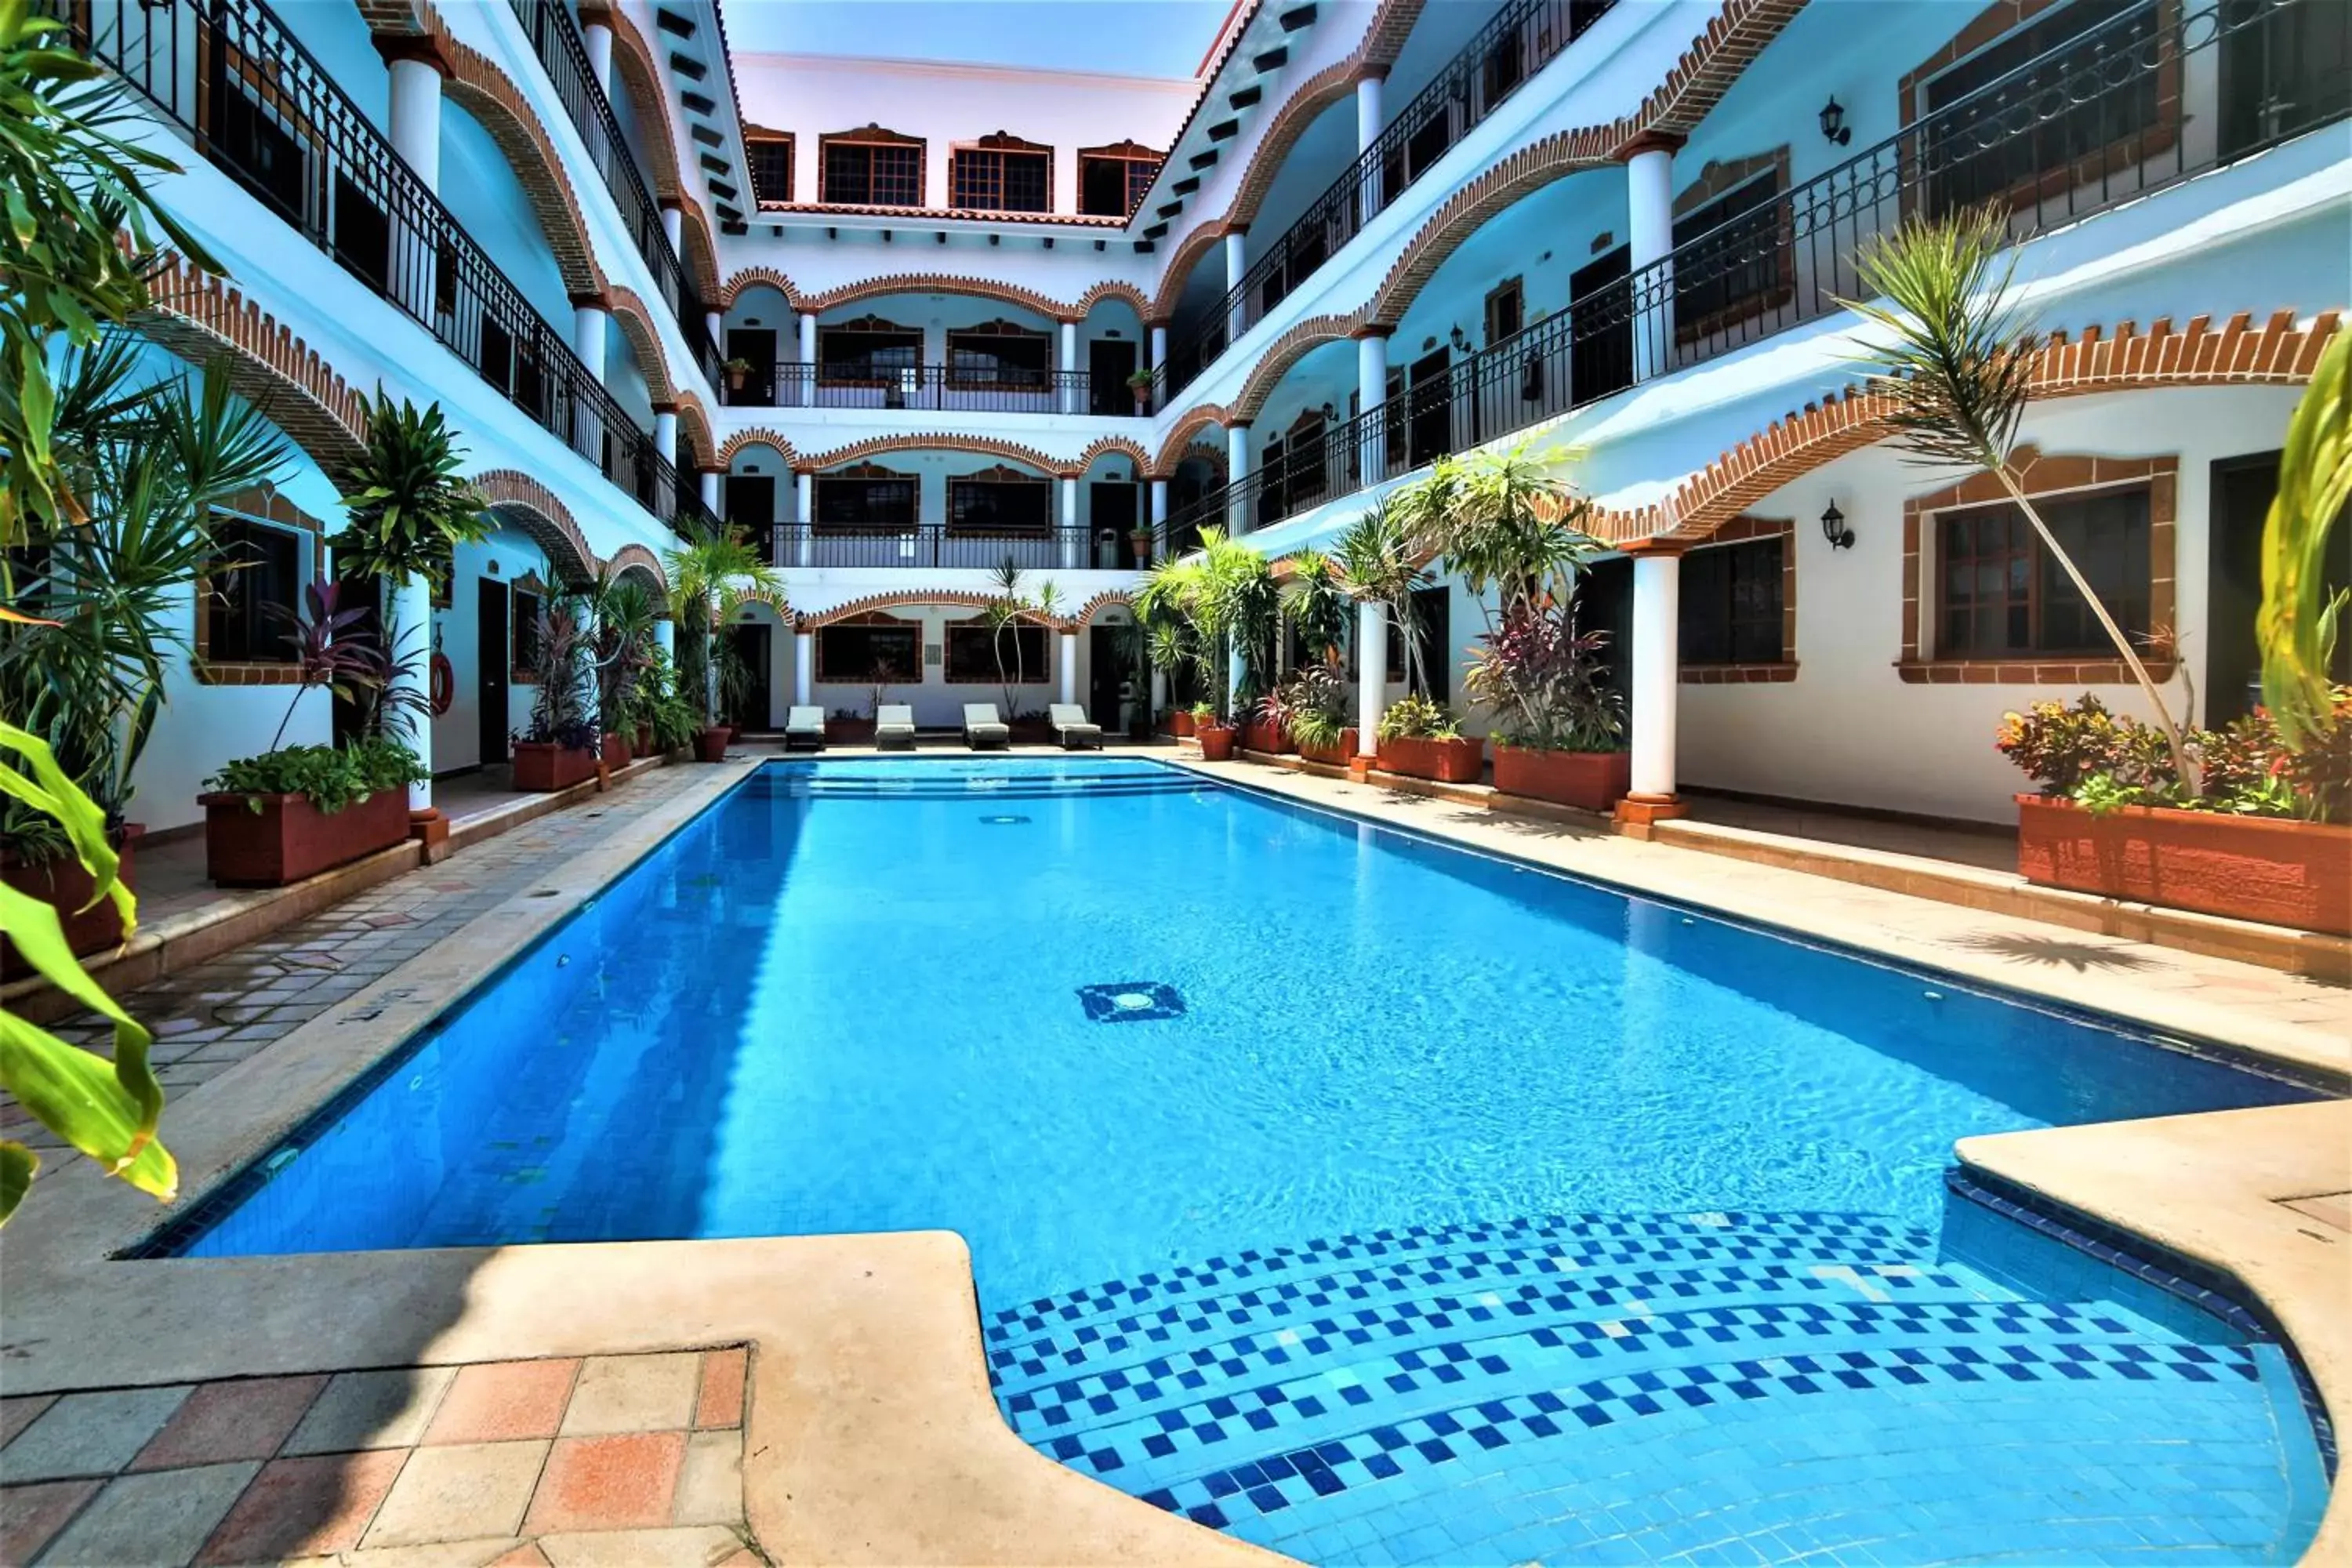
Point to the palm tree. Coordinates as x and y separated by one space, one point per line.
1957 365
2298 621
1378 563
713 575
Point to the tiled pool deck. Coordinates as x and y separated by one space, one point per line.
872 1433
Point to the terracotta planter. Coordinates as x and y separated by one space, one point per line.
616 752
643 745
1031 733
1447 761
1334 756
1180 724
1216 741
848 732
289 838
541 766
1257 735
1141 544
1594 781
63 883
710 745
2248 868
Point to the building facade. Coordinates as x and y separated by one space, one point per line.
915 326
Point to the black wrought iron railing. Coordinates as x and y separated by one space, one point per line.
1515 43
563 55
799 385
2103 119
259 108
934 544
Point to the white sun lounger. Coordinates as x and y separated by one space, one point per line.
1069 721
805 726
894 727
982 729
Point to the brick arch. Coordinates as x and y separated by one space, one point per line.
937 283
1282 353
1105 445
477 85
695 441
204 321
1126 293
636 324
1462 215
534 509
977 446
752 278
1100 602
637 558
909 599
639 74
1180 264
779 444
1305 105
1179 436
701 253
1217 456
2277 354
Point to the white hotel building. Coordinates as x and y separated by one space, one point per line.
885 315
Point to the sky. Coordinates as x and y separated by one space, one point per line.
1123 37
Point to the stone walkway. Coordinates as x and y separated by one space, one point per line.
621 1459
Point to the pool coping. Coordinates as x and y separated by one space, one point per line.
876 1435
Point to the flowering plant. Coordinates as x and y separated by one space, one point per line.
1543 679
2102 761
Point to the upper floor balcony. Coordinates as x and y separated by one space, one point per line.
936 388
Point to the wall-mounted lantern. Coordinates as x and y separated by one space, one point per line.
1833 125
1834 530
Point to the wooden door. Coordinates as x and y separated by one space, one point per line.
493 650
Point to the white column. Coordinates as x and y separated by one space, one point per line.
1068 672
1232 679
1368 130
711 481
598 37
416 137
588 326
1650 201
805 327
1069 362
411 644
1657 583
804 670
666 434
804 504
715 323
1158 345
1237 469
666 637
1159 520
1371 390
674 227
1371 674
1071 542
1236 265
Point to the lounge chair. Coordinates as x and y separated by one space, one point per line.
804 727
1069 721
982 729
894 727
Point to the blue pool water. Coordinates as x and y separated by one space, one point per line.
1367 1198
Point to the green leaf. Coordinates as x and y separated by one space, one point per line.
17 1165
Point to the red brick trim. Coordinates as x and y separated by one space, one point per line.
1299 111
1738 530
701 254
208 673
2041 476
1721 175
779 444
936 283
637 558
1736 674
695 445
1181 262
636 324
1126 293
1105 446
642 77
1195 419
1286 350
2000 18
956 598
1085 613
534 509
205 320
978 446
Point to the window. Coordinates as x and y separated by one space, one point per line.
867 352
1731 603
770 158
872 167
1999 593
1506 310
973 653
1112 180
1000 500
1734 264
853 653
254 582
530 604
865 497
1000 355
1001 174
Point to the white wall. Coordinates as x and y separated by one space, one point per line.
506 556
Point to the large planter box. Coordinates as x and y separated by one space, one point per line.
1447 761
289 838
616 752
2248 868
1274 740
543 766
848 732
1334 756
1595 781
1032 732
63 883
1216 741
710 744
1180 723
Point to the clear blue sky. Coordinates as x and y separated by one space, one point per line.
1125 37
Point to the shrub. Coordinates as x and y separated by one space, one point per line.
2102 762
329 777
1416 717
1542 678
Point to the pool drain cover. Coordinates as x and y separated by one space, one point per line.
1004 821
1130 1002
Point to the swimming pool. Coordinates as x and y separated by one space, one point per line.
1369 1198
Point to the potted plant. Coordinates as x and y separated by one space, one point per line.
1140 383
1215 735
619 654
712 577
1139 542
736 370
1267 727
1423 740
296 811
1560 733
560 747
1317 700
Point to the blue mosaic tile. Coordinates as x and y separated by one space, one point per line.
1130 1002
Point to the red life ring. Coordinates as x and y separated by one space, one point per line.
445 684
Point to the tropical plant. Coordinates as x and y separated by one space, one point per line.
2101 761
407 505
1008 609
1315 703
1503 521
1316 604
108 1110
713 575
75 188
1956 364
673 719
1242 603
1543 679
559 712
1378 565
1417 717
2299 620
329 777
332 649
621 612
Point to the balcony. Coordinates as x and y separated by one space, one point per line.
1519 41
933 389
2098 122
934 546
261 110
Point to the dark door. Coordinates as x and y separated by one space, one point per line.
1601 327
751 502
492 651
1604 603
2242 489
1115 516
1433 663
756 345
749 708
1108 667
366 593
1432 409
1109 362
2281 67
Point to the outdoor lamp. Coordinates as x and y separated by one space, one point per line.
1834 530
1833 125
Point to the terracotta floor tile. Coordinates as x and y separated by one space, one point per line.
720 1402
503 1400
246 1419
297 1508
624 1482
31 1515
371 1410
